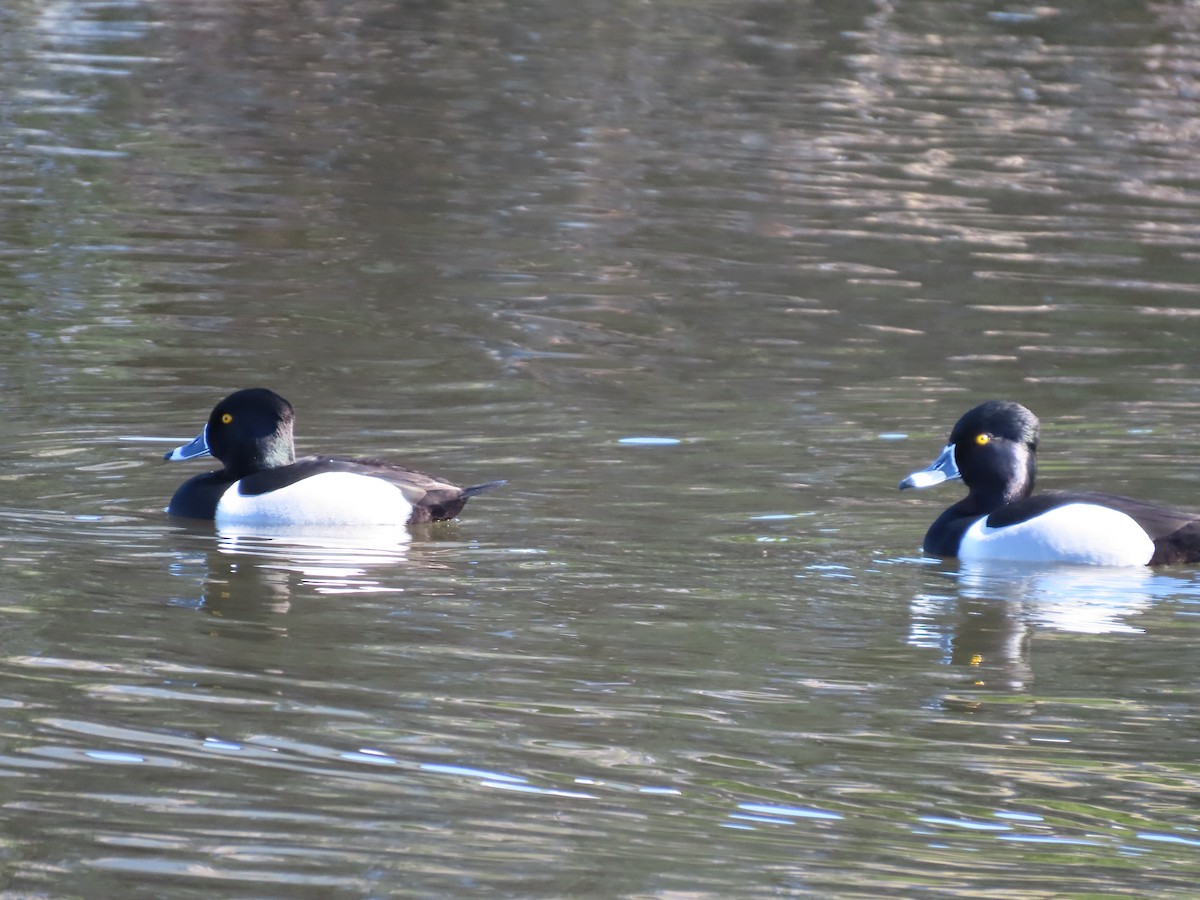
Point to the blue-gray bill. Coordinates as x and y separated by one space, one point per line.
194 448
944 468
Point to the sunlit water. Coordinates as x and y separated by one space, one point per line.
702 282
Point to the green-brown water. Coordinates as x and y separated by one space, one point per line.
500 240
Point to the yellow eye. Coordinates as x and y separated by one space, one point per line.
982 439
226 418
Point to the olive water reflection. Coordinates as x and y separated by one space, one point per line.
701 281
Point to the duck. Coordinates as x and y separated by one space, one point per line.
993 450
264 483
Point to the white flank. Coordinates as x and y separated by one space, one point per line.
1081 533
331 498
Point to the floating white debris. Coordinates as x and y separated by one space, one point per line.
649 441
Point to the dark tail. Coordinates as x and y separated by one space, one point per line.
481 488
436 507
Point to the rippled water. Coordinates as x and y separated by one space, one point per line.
702 281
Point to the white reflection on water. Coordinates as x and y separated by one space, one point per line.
649 441
334 560
787 813
1081 599
987 624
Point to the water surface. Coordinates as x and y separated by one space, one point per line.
703 281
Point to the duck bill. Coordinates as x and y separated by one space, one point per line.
192 449
944 468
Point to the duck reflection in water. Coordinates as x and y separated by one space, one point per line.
987 624
252 573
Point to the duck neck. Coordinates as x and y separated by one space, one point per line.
267 452
1017 485
277 450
